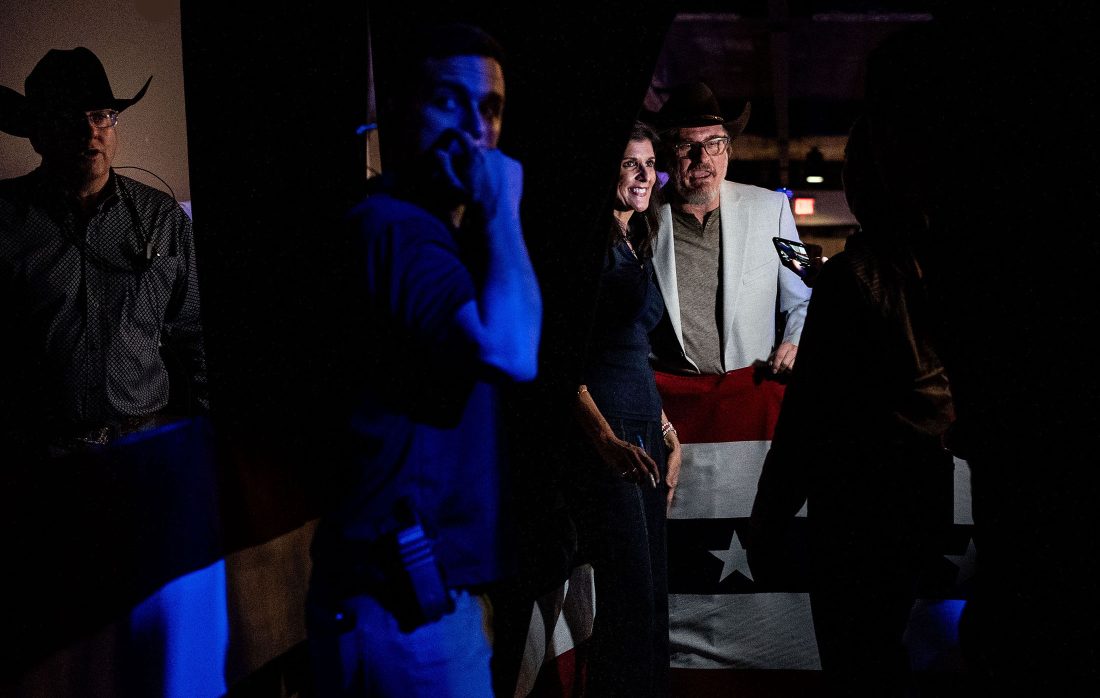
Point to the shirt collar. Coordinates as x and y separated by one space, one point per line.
53 195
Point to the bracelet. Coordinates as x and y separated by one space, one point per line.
667 429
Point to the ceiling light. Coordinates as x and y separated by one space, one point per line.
815 166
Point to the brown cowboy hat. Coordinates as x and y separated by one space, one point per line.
63 81
694 104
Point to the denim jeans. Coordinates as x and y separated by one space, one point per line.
357 650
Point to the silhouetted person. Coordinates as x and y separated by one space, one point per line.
983 120
97 273
859 440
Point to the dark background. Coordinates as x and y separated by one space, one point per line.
273 99
272 105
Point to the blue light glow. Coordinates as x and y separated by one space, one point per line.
932 637
182 634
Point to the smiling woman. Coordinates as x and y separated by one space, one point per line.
628 456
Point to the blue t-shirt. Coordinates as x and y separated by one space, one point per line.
424 425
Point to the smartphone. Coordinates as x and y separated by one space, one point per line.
792 250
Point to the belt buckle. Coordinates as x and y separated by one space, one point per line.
100 436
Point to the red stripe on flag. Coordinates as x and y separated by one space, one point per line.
563 677
716 408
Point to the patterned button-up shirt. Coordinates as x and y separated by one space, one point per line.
98 309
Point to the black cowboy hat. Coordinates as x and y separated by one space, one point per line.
63 81
693 104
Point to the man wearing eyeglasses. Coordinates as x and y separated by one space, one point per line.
733 312
100 295
724 287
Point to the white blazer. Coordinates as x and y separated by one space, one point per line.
756 288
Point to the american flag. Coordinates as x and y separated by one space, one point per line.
728 632
723 619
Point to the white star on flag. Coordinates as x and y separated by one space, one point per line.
964 562
733 559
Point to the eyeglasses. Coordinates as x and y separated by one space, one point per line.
713 146
102 118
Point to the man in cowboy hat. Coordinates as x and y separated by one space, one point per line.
98 273
722 281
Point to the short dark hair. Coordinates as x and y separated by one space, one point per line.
433 42
456 39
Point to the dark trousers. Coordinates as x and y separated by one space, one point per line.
1031 627
621 532
871 537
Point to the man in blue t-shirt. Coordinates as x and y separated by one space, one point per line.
450 310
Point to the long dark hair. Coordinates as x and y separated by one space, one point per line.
643 226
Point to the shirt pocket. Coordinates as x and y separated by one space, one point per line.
153 291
